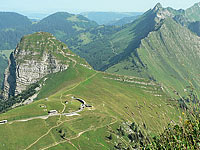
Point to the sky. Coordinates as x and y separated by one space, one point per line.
76 6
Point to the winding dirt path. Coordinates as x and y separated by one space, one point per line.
79 134
62 114
61 122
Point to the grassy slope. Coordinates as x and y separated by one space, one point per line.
63 25
193 13
40 43
109 49
177 62
94 45
113 102
134 32
169 60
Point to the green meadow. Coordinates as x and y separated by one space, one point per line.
114 100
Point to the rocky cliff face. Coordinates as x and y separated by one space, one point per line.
36 56
161 13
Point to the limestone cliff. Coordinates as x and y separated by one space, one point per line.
36 56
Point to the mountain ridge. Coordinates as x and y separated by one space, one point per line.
168 27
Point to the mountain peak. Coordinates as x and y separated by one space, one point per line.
161 13
36 56
39 35
197 4
158 6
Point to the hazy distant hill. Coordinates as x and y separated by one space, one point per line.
12 27
35 15
63 25
108 17
124 21
94 45
13 20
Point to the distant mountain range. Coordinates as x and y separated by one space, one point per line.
34 15
109 18
124 21
62 24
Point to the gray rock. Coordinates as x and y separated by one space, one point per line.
22 72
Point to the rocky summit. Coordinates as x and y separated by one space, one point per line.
36 55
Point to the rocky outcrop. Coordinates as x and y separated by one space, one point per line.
23 70
161 13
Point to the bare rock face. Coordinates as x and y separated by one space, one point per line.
27 66
161 13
